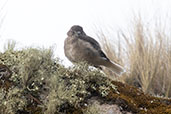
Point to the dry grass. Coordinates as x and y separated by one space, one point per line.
146 53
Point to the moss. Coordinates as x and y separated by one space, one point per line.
74 86
40 84
137 102
30 69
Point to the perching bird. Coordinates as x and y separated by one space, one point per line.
79 47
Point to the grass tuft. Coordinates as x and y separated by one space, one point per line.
146 53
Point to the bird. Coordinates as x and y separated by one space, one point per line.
79 47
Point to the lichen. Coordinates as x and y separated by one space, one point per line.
41 84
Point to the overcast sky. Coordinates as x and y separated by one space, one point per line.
45 22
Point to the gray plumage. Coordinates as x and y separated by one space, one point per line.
80 47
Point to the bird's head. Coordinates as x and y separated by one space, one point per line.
76 30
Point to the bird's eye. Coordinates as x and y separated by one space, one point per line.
78 32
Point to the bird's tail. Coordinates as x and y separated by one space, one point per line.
116 68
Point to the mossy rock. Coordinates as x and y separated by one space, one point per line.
40 84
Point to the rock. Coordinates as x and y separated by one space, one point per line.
5 72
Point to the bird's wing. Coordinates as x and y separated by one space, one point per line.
92 41
95 45
103 55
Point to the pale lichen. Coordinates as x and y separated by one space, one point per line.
40 84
